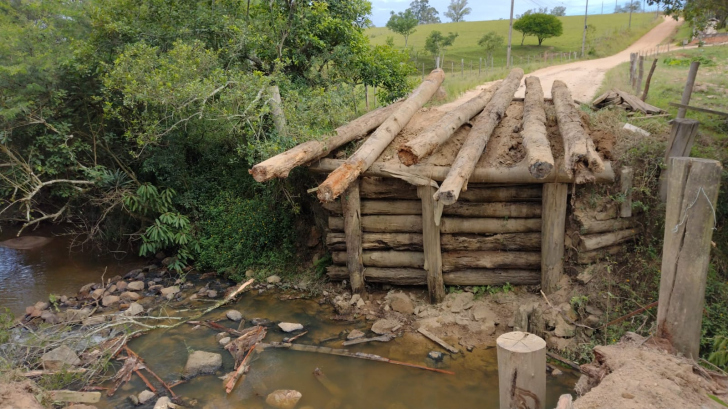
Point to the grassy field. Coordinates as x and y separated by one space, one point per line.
611 36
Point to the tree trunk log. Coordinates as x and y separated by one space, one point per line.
476 140
431 243
414 276
553 232
535 140
431 138
598 241
489 225
370 150
396 276
625 186
590 226
398 207
462 260
578 145
381 207
378 241
413 259
590 257
280 165
276 109
506 242
352 231
380 188
383 224
521 371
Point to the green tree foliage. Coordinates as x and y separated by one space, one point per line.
403 23
696 12
491 41
540 25
558 11
457 10
634 6
436 44
425 13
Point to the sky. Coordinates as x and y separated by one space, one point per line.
491 9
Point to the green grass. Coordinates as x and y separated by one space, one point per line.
611 36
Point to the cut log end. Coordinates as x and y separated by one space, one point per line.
407 157
540 170
338 181
447 197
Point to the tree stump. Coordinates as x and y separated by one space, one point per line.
521 371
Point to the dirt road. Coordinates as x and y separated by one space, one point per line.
585 77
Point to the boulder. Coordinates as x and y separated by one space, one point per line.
94 320
385 326
283 399
59 358
41 305
112 289
121 286
164 403
211 294
224 341
201 363
77 315
110 300
135 286
355 334
401 303
145 396
49 317
130 296
134 309
461 302
98 293
563 329
557 372
274 279
234 315
290 326
169 292
221 335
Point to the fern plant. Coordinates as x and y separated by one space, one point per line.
719 355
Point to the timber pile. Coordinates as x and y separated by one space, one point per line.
625 100
453 197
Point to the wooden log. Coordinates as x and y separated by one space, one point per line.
431 244
502 194
492 277
590 226
682 138
625 186
381 207
383 224
553 232
471 150
276 109
450 225
461 260
535 140
689 223
396 276
506 241
380 188
352 231
521 370
280 165
337 182
688 90
412 259
334 389
579 149
431 138
492 209
590 257
597 241
518 174
378 241
381 338
434 338
640 74
649 79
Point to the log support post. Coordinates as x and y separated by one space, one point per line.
276 109
625 186
688 91
431 244
553 230
689 224
521 371
351 207
682 138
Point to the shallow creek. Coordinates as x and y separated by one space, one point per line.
27 276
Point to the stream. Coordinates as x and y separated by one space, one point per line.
27 276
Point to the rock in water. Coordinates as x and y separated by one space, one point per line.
169 292
110 300
135 286
201 363
354 334
234 315
134 309
290 326
283 399
557 372
164 403
274 279
385 326
130 296
59 358
401 303
145 396
436 356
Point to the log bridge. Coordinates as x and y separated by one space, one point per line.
417 223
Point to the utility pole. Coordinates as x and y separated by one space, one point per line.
631 2
583 38
510 35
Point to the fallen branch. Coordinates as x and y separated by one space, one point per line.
333 389
240 370
437 340
296 337
382 338
563 360
143 366
635 312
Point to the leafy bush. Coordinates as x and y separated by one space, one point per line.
672 61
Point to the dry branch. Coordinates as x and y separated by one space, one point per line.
432 337
535 140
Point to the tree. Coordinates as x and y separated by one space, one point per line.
457 10
540 25
558 11
696 12
403 23
424 12
436 43
491 41
635 6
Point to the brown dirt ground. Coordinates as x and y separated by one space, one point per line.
19 395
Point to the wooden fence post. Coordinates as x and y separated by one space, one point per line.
649 78
431 244
688 91
350 205
625 186
689 224
640 74
681 142
553 228
366 96
521 371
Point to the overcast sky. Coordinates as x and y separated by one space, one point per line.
491 9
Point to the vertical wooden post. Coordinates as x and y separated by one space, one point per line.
625 186
681 142
632 59
480 65
366 96
462 67
276 109
431 244
688 91
689 223
553 229
641 73
350 205
649 78
521 371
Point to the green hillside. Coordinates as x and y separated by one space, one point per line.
611 35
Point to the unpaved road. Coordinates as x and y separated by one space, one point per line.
585 77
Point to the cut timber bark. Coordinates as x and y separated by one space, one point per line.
280 165
590 257
553 229
625 186
516 175
521 371
370 150
492 277
474 145
431 245
489 225
461 260
412 259
597 241
437 340
431 138
589 226
578 145
352 231
383 224
625 100
396 276
381 207
494 209
379 188
682 138
535 140
689 222
378 241
502 194
508 241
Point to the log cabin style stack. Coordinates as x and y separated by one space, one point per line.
403 212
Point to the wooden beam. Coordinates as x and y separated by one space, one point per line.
538 148
521 370
352 231
682 138
626 178
698 109
431 244
414 276
553 232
